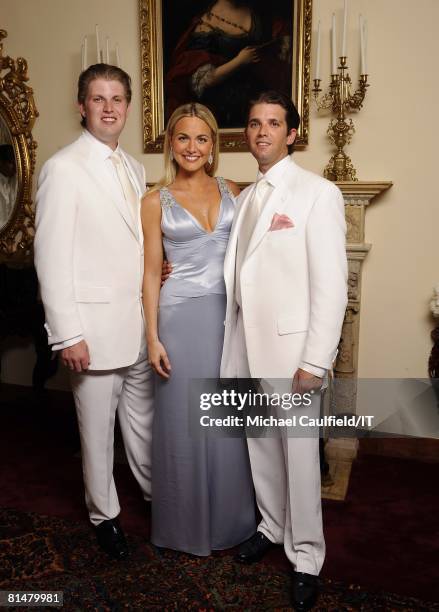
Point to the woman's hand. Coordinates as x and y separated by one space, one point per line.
248 55
158 358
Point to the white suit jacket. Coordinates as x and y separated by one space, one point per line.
89 253
293 281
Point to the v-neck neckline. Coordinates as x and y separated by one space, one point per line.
194 219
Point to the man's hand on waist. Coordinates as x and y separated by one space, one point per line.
166 271
304 382
76 357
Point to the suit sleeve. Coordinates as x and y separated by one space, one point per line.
326 252
55 223
67 343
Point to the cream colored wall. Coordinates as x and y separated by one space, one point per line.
396 136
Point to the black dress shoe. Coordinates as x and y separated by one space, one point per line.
254 549
111 539
305 591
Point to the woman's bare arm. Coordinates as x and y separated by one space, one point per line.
151 223
248 55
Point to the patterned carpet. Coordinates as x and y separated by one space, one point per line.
47 553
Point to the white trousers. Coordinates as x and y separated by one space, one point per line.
98 396
286 476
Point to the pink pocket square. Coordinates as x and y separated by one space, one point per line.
280 222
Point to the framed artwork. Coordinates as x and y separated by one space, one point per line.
194 51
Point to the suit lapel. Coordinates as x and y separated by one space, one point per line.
230 258
133 175
136 181
276 203
103 178
100 175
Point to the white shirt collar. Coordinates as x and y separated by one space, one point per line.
102 150
275 174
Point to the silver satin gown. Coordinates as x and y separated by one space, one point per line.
202 492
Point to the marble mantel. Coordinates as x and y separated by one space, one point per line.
358 196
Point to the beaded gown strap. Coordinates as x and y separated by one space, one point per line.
224 187
166 199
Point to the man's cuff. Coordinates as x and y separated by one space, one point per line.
312 369
59 346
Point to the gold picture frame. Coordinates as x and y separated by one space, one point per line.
153 90
17 117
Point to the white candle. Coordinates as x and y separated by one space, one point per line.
117 56
317 76
365 44
82 57
85 52
345 28
98 49
362 48
334 46
107 54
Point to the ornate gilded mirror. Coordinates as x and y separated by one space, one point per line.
17 158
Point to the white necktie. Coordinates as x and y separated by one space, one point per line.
131 197
251 216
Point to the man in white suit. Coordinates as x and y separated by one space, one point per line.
286 274
89 260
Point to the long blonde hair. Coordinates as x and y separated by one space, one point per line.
192 109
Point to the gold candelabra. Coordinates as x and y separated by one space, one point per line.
340 130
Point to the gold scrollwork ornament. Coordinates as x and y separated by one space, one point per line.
18 112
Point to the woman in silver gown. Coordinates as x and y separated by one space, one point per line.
202 493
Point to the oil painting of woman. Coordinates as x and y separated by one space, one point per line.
230 51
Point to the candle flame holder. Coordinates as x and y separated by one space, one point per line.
341 100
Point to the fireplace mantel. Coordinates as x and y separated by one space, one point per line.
358 196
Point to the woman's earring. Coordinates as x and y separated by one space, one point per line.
210 159
171 155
